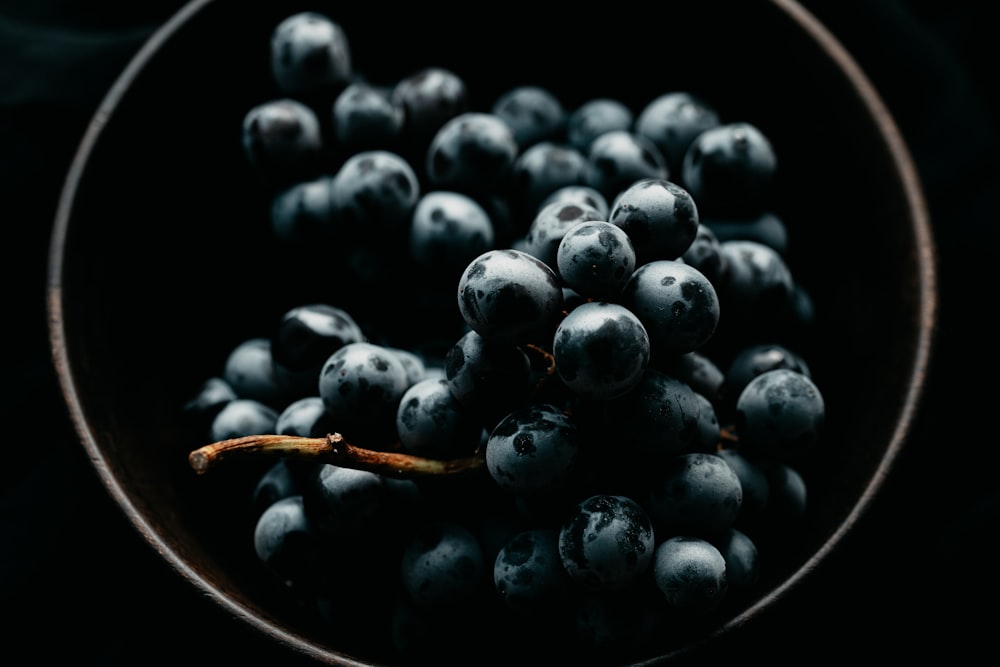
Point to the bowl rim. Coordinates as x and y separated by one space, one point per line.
927 308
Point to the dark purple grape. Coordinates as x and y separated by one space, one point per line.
752 360
303 214
366 117
697 494
705 254
533 114
201 409
287 544
283 140
753 481
533 450
583 195
607 543
489 379
601 350
305 417
242 417
672 121
657 418
277 482
449 230
345 503
472 153
659 216
757 288
528 573
543 168
361 385
596 259
249 369
433 424
442 565
429 97
729 169
509 297
619 158
709 429
697 370
305 337
742 561
691 574
310 55
595 117
376 191
676 303
779 415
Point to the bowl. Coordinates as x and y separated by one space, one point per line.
163 258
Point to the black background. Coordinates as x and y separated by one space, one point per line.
918 578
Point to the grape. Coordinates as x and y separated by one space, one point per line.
543 168
709 429
509 296
584 195
306 417
595 117
310 55
283 140
241 417
755 359
742 560
697 370
729 170
472 153
366 117
696 494
607 543
757 288
489 379
442 565
705 254
753 482
619 158
343 501
528 572
211 397
277 482
449 230
533 114
432 423
658 418
766 228
601 350
361 385
429 98
533 450
779 415
305 337
672 121
691 574
302 213
375 190
659 216
676 303
596 259
286 542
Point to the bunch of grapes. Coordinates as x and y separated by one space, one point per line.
585 427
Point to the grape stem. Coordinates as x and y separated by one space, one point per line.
332 449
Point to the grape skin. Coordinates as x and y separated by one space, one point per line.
697 494
310 55
659 216
533 450
528 573
779 415
691 574
596 259
441 566
601 350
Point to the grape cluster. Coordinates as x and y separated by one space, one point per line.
602 319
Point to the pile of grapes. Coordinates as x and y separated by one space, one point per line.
556 408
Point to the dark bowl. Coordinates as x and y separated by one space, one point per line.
162 258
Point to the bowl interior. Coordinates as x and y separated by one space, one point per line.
163 259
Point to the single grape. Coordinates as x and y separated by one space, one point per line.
691 574
729 169
489 379
345 503
432 423
752 360
366 117
543 168
287 544
766 228
305 337
533 114
302 214
696 494
442 565
676 303
596 259
279 481
471 153
742 560
509 296
601 350
448 230
659 216
310 55
429 97
595 117
753 482
697 370
705 254
757 289
779 415
533 450
607 543
528 573
549 226
283 140
619 158
583 195
242 417
376 191
306 417
201 409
